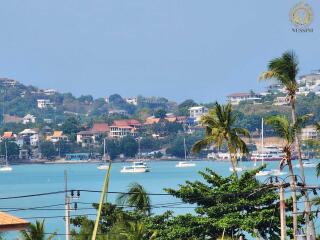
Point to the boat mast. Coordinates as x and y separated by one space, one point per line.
5 146
104 148
262 143
185 149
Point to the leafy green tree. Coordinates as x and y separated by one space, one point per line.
236 205
47 149
183 108
219 129
160 113
136 197
71 126
36 232
12 148
129 146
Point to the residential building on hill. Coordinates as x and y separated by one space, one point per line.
236 98
90 136
12 119
197 112
133 100
28 119
309 133
281 101
44 103
120 112
57 136
121 128
7 82
49 92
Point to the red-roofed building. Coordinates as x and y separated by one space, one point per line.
90 136
121 128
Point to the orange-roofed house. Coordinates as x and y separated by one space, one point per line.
152 120
57 136
11 223
8 135
171 119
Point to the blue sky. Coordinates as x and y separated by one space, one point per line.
173 48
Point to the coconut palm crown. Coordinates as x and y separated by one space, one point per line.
36 232
136 197
285 70
220 129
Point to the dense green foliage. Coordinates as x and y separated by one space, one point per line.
238 206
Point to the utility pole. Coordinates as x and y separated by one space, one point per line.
282 213
67 205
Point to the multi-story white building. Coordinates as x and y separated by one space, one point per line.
7 82
121 128
44 103
309 83
281 101
49 92
133 101
236 98
197 112
309 132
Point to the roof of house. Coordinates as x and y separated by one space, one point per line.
126 122
28 131
57 134
152 120
100 127
11 223
28 116
244 94
14 119
7 134
171 119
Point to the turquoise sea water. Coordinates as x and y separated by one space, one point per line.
33 179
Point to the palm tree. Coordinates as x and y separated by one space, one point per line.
36 232
220 129
137 231
317 125
285 70
136 197
288 132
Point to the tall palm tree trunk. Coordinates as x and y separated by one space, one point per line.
294 199
309 222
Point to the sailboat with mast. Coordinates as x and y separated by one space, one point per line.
104 166
272 153
6 167
185 163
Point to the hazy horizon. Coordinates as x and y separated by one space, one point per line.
178 49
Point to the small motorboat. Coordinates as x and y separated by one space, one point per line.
238 169
263 173
277 172
306 164
184 164
136 167
5 168
103 167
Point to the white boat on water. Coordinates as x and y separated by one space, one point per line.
263 173
277 172
238 169
268 153
306 164
104 166
185 163
136 167
6 167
